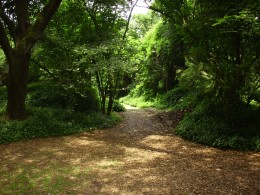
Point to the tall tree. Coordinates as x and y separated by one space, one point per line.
108 18
20 29
227 47
221 47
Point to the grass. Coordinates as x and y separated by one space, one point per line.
47 122
140 102
52 179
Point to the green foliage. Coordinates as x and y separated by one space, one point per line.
2 57
47 122
3 96
177 97
47 94
141 24
52 179
204 126
118 107
158 53
141 102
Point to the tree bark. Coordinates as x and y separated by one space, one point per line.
24 36
16 86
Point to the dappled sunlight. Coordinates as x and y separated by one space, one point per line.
206 151
166 143
84 142
139 156
128 107
108 163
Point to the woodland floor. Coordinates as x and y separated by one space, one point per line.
138 156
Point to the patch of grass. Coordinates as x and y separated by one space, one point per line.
47 122
176 99
51 179
141 102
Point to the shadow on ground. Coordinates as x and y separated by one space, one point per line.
139 156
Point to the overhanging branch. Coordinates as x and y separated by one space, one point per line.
44 68
129 18
4 42
21 8
35 31
161 12
9 23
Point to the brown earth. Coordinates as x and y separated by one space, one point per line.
138 156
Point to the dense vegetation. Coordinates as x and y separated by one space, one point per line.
199 56
203 56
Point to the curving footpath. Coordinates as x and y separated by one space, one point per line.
139 156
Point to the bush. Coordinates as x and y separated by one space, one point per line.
204 126
46 95
55 96
172 97
46 122
118 107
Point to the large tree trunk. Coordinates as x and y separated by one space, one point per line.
16 86
17 37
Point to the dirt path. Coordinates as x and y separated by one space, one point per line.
139 156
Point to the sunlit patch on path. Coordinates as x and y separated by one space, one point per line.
128 107
138 156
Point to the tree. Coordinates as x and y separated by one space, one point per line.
221 48
81 59
109 45
20 29
226 48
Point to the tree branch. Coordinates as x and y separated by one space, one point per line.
4 42
44 68
35 31
9 23
21 8
173 19
92 13
161 12
129 18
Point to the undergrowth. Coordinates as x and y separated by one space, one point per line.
47 122
139 102
118 107
54 111
204 125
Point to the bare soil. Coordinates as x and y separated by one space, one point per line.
138 156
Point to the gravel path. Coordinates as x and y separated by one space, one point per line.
139 156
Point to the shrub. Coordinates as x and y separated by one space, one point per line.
51 95
46 122
118 107
172 97
204 126
46 95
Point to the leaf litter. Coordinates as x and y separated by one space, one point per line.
138 156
